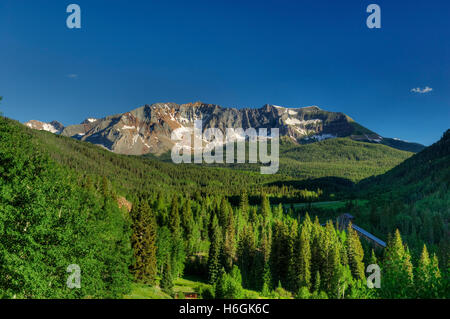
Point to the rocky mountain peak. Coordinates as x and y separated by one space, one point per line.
89 120
53 127
148 129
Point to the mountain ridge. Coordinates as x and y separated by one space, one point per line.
147 129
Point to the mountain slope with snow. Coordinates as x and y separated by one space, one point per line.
52 127
148 129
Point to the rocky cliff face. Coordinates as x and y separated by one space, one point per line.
148 129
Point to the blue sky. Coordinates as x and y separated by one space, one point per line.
231 53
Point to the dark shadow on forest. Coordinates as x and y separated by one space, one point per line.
328 184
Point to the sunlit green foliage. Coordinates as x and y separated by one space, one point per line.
51 218
58 206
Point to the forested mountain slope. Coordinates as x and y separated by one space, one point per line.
52 217
59 207
340 157
136 174
413 197
343 158
424 173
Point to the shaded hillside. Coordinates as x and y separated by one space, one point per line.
403 145
131 175
413 197
422 174
341 158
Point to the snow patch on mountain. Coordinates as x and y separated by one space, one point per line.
320 137
377 139
294 121
156 128
52 127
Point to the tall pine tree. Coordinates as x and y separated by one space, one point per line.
355 253
144 243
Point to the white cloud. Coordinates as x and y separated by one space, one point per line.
72 76
422 91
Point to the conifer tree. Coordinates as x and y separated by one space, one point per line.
293 246
328 256
316 242
224 211
427 276
278 212
229 249
333 273
174 217
439 286
149 243
215 251
265 206
178 254
422 274
246 255
304 259
397 269
144 243
267 280
307 224
280 259
265 244
187 217
253 215
166 283
355 253
317 283
104 187
373 258
243 203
